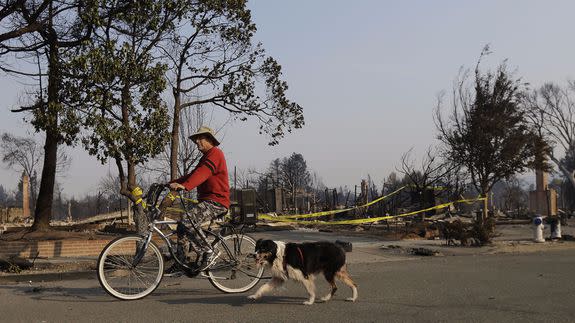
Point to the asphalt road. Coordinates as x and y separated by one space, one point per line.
534 287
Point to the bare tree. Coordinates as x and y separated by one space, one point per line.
455 182
246 178
4 198
188 153
317 187
109 184
391 184
514 197
552 112
431 172
24 155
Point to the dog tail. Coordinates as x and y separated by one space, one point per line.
346 246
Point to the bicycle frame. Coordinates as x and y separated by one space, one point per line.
231 267
153 227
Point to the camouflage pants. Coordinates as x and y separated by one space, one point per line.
190 236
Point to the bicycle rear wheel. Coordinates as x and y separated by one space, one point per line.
120 278
235 270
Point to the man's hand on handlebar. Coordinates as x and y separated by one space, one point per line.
172 195
176 187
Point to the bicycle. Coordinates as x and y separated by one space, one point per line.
131 267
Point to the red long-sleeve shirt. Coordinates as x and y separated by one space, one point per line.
210 177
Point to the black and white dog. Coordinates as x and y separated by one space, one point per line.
301 262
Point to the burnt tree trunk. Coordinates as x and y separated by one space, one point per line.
49 112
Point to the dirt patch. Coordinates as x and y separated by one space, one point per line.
49 268
412 236
379 232
529 246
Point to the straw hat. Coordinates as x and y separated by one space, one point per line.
203 130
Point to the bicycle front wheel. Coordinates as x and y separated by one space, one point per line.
235 269
123 279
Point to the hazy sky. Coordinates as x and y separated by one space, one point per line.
367 74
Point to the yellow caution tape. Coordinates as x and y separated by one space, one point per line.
314 215
368 220
479 198
171 197
383 197
324 213
140 200
137 192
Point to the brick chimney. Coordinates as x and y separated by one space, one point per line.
25 196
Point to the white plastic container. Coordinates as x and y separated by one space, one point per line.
538 229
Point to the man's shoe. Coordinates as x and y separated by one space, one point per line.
208 258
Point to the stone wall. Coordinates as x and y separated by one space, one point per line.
58 248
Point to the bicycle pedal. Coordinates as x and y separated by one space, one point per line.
174 271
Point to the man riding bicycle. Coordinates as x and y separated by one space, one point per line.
210 177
